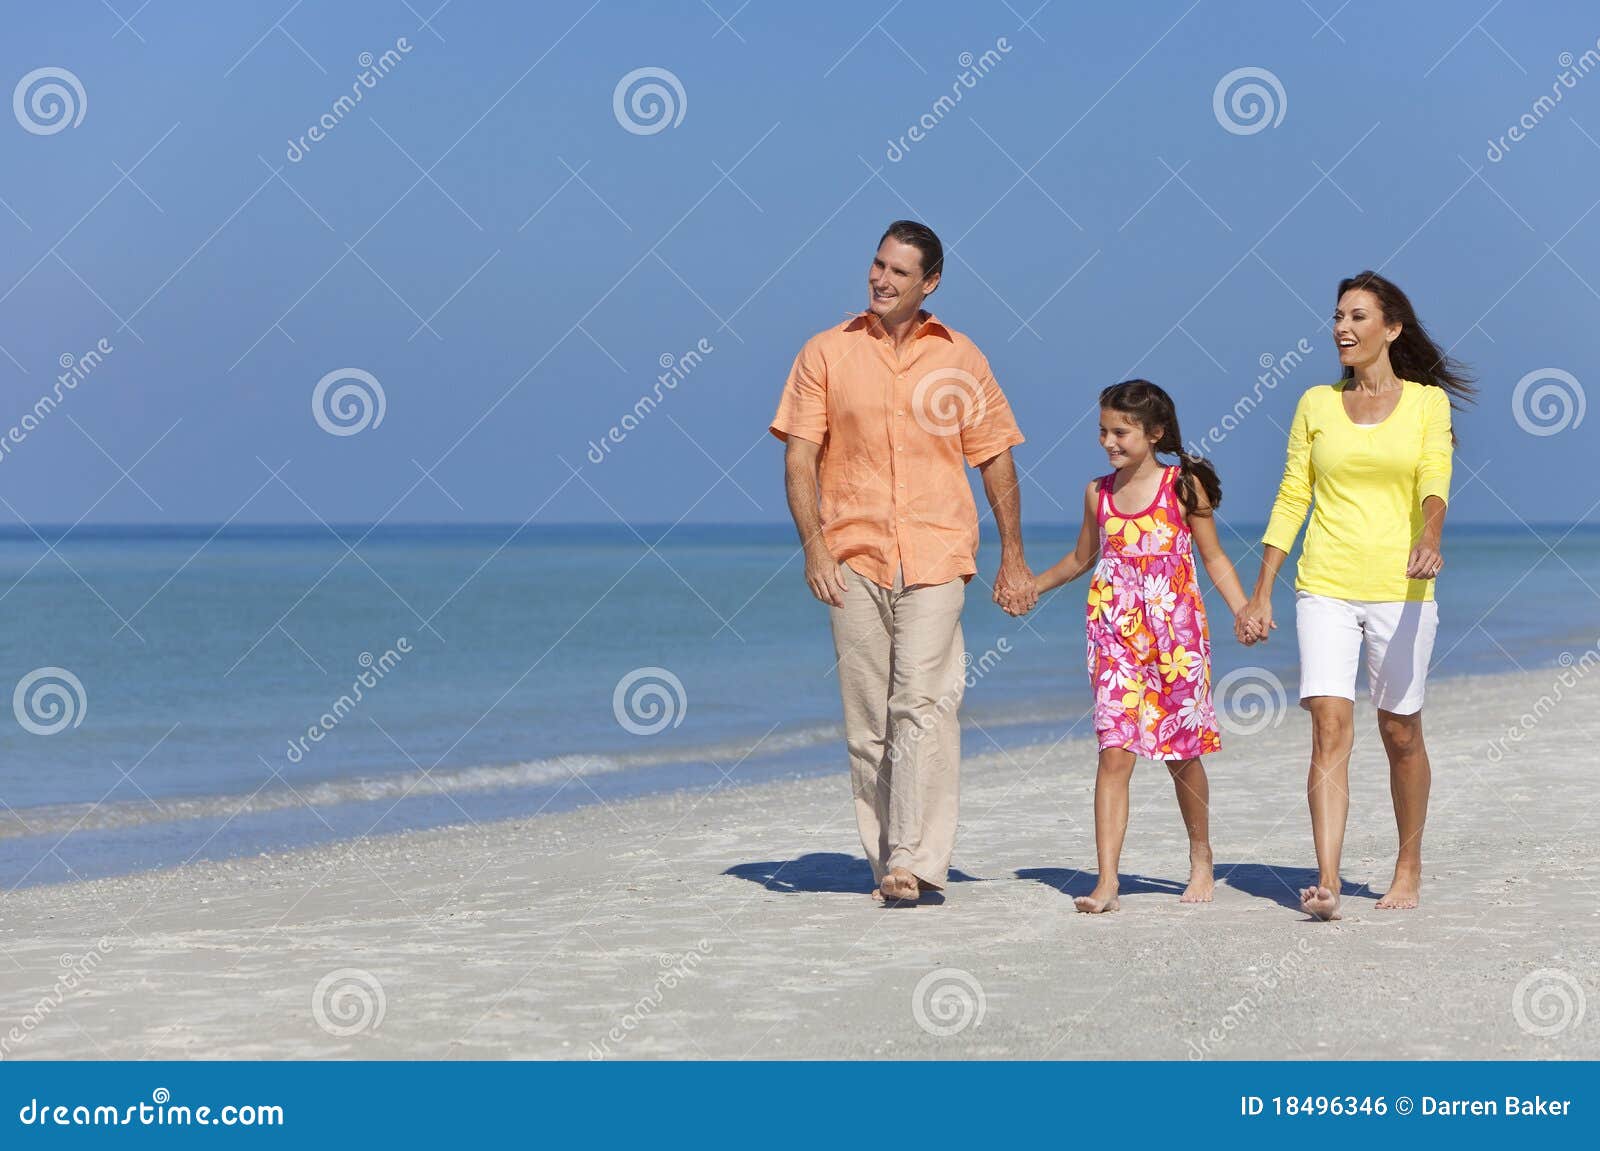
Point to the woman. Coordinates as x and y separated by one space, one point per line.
1370 456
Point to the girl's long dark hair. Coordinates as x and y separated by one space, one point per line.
1414 355
1150 407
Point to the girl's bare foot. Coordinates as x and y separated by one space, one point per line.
900 884
1319 903
1101 899
1201 882
877 895
1403 891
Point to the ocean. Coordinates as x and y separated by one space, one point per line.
186 693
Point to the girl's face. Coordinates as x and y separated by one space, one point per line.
1125 442
1359 329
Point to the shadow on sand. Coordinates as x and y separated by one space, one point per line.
825 872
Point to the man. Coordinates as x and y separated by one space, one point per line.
880 415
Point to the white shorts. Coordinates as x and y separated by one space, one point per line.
1399 639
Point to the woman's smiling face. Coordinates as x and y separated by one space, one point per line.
1359 329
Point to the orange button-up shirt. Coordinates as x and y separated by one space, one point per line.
896 429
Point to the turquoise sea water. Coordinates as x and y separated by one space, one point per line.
206 658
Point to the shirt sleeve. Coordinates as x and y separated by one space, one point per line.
1294 491
992 428
803 407
1433 466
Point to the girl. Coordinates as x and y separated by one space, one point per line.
1148 650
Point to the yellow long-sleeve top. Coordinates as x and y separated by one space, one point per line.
1364 487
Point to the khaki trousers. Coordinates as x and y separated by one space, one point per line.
901 678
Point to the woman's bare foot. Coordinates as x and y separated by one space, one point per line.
900 884
1201 881
1403 891
1319 903
1103 898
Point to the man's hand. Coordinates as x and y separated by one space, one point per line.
824 575
1014 587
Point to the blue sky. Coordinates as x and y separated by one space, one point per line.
485 238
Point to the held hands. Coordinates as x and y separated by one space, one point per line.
1015 588
1253 622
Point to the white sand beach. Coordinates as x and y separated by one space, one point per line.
735 923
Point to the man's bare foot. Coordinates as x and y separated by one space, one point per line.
900 884
1319 903
1101 899
1403 891
1201 882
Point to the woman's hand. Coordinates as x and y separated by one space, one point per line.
1253 623
1425 560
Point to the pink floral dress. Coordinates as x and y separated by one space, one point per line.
1149 653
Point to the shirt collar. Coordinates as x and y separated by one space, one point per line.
931 325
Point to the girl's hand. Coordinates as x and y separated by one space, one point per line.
1425 561
1253 623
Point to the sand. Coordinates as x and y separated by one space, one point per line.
735 923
